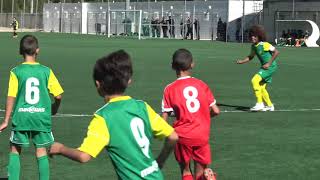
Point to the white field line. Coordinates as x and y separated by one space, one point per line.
223 111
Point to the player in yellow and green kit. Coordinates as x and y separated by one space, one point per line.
30 86
267 55
124 126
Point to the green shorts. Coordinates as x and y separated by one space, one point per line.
266 74
39 139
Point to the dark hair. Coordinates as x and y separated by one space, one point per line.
258 31
113 72
28 45
181 60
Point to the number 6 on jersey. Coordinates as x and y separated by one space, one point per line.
32 89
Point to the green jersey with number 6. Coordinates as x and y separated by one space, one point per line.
31 84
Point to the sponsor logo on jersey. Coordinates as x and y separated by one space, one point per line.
32 109
149 170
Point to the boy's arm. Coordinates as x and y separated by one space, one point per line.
166 108
246 59
275 54
165 115
214 111
73 154
55 106
12 93
56 90
9 108
168 146
97 138
161 129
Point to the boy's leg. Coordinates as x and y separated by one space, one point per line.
18 139
43 164
202 158
257 87
256 80
183 156
14 163
203 172
186 171
265 95
42 140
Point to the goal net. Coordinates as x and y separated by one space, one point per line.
124 23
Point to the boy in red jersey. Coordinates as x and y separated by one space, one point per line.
191 101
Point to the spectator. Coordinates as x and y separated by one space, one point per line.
197 28
182 28
171 27
146 27
164 26
189 28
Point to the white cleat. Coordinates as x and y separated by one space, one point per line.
268 108
209 174
258 107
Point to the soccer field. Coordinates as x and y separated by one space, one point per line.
276 145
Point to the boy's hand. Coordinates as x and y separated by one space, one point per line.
3 126
266 66
55 148
54 109
238 61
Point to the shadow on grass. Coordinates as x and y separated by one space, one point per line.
236 107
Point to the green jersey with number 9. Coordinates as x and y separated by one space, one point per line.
126 127
31 84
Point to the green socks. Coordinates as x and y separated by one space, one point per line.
14 166
43 166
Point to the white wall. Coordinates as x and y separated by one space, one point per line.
236 11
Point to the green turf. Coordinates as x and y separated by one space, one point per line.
248 146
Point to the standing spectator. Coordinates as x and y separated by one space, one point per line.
219 29
127 26
182 28
158 27
189 28
164 27
146 27
15 26
171 27
153 26
197 28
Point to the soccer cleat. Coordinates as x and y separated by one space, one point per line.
209 174
258 107
268 108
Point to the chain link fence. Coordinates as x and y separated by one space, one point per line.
26 20
172 19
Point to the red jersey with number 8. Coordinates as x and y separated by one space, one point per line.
190 99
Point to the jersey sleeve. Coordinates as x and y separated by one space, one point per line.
13 85
53 85
97 137
268 47
211 99
165 104
252 52
160 127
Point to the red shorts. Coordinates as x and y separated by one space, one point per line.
200 154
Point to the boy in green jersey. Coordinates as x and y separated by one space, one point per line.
267 55
28 98
124 126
